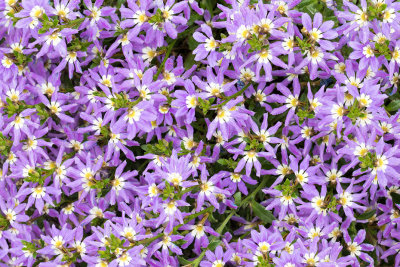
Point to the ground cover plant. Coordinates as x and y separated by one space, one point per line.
199 133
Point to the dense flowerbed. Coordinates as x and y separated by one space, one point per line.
199 133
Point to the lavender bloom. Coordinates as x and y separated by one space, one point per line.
122 185
236 181
365 53
208 46
54 42
356 247
73 63
84 175
20 126
250 159
64 9
348 199
96 210
13 212
186 102
56 107
290 100
318 33
358 19
129 132
219 258
265 135
136 17
228 119
208 190
172 19
57 241
263 60
95 21
38 195
198 234
31 13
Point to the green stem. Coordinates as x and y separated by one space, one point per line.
251 196
187 219
187 190
238 93
209 7
169 49
72 24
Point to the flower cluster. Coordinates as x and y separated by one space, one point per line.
199 133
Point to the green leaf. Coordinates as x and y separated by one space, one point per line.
366 215
157 18
304 113
183 261
120 2
230 163
223 161
192 43
255 43
45 17
309 6
39 175
209 5
238 198
394 105
55 23
352 230
265 215
225 47
77 45
213 244
382 8
395 197
205 105
31 247
42 30
367 161
3 223
74 24
189 61
106 254
5 145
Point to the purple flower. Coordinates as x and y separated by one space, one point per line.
219 258
289 99
38 195
96 209
167 244
197 232
13 212
95 21
172 19
208 190
73 63
54 41
84 175
122 185
64 9
236 181
228 119
348 200
357 248
208 45
136 17
31 13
